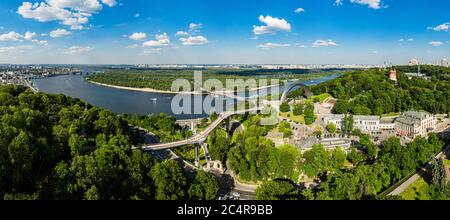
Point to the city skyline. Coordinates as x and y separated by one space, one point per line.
223 32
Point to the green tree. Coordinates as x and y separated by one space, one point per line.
204 187
310 117
370 149
338 158
169 180
78 145
284 107
438 174
219 145
285 128
331 127
316 161
276 190
298 109
21 154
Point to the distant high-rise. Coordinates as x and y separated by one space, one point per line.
444 62
413 62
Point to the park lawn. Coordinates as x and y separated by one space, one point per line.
299 119
322 97
392 114
188 154
417 191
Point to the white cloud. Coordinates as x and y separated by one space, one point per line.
162 40
138 36
182 34
194 41
15 49
442 27
300 45
132 46
339 2
11 36
40 42
411 39
14 36
59 33
436 43
324 43
193 27
374 4
73 13
137 15
401 40
78 49
151 51
110 3
375 52
271 45
272 25
299 10
29 35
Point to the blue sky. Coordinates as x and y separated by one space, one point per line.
223 31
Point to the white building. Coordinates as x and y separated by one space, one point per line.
444 62
365 123
414 124
413 62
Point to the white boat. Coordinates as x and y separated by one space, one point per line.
154 99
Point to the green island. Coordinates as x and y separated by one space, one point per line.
161 80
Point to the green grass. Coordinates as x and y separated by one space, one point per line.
417 191
299 119
321 97
392 114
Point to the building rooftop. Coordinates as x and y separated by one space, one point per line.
366 117
335 117
419 115
413 118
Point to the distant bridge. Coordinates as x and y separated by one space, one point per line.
291 86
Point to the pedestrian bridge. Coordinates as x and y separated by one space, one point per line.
200 137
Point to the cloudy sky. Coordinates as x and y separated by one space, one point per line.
223 31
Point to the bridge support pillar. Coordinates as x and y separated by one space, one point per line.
197 156
205 150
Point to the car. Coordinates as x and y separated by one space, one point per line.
236 194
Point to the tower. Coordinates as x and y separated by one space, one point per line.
393 74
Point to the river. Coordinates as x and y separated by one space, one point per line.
123 101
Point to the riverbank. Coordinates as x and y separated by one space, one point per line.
146 89
171 92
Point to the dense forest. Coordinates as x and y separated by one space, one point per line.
370 92
429 70
56 147
372 171
163 79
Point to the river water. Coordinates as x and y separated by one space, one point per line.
125 101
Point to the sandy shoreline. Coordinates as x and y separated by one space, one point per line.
149 90
145 89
